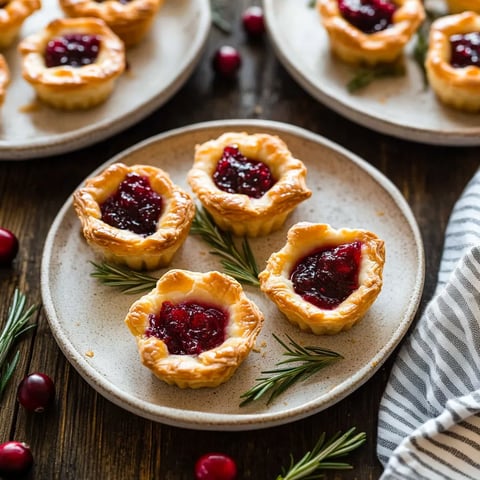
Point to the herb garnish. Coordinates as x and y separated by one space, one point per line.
240 264
127 280
15 326
338 446
306 362
366 75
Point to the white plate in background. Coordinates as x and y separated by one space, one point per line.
402 107
158 67
87 317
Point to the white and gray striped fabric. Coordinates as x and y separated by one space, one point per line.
429 418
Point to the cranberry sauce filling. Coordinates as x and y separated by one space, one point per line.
236 173
369 16
135 206
465 49
188 328
73 49
329 275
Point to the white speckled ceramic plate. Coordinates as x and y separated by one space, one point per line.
402 106
158 67
87 318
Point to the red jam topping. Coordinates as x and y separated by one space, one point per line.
236 173
135 206
329 275
188 328
73 49
369 16
465 49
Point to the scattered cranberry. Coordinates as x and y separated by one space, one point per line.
215 466
16 459
253 21
36 392
227 61
8 246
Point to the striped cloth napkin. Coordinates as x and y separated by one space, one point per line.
429 418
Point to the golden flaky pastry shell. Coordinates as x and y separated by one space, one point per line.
130 20
239 213
456 87
304 238
126 247
4 78
354 46
12 15
459 6
212 367
69 87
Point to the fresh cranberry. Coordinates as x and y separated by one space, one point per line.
188 328
8 247
236 173
36 392
369 16
465 49
135 206
73 49
328 276
16 459
253 21
215 466
227 61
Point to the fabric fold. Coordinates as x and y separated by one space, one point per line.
429 416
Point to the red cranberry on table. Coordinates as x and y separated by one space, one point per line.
215 466
36 392
16 459
8 246
227 61
253 21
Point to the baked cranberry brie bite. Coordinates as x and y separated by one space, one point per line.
194 329
13 14
459 6
453 60
131 20
73 63
134 215
248 183
324 280
4 78
370 31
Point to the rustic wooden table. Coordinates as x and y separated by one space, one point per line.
88 438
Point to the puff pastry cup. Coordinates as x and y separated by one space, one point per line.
211 367
124 246
456 87
240 213
4 78
459 6
130 20
68 87
354 46
305 238
12 15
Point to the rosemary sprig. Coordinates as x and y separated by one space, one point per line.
366 75
15 326
218 19
307 361
127 280
240 264
338 446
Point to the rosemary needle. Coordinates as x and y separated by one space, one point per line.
15 326
128 281
338 446
240 264
301 363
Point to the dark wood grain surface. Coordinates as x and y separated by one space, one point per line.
85 437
